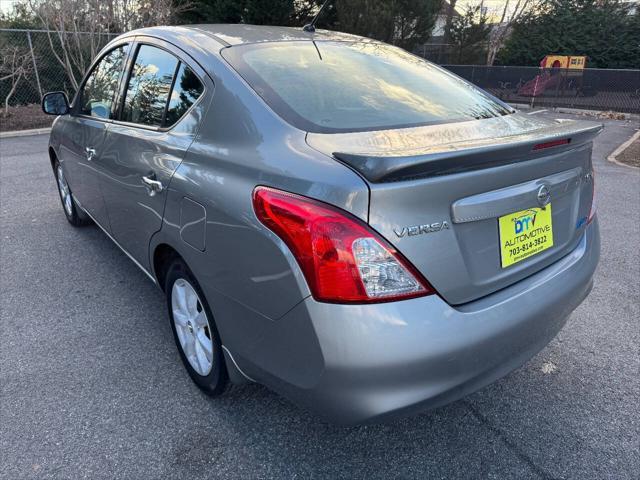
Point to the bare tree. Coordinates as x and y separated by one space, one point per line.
78 29
510 13
469 35
15 64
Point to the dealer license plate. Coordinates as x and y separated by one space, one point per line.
524 234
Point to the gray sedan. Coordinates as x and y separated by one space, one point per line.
333 217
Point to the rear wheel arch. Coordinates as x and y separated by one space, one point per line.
163 255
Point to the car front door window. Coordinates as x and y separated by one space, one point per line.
99 92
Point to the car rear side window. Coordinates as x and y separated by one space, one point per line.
149 86
99 91
187 88
327 86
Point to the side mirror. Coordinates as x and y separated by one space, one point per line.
55 103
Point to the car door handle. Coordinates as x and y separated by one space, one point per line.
154 185
91 152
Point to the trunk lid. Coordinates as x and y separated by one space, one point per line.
437 193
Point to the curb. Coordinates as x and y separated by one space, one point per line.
25 133
601 114
597 113
622 148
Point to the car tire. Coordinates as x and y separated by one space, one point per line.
74 214
194 330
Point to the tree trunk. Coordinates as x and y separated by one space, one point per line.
446 38
14 85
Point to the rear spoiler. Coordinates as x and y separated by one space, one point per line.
463 156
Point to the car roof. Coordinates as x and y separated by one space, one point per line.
240 34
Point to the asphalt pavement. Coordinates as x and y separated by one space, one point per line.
91 385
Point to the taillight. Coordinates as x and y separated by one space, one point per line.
552 143
592 211
342 258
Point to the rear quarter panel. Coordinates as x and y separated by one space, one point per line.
248 275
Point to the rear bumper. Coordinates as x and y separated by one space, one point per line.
356 363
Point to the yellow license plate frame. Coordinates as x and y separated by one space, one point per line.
524 234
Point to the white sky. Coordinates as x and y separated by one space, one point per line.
492 5
5 5
487 3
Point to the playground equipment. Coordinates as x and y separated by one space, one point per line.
556 68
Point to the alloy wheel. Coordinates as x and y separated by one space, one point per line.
65 193
192 326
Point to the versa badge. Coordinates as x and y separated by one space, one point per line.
420 229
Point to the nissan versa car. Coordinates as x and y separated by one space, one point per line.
330 216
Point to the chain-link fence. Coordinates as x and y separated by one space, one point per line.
33 62
591 88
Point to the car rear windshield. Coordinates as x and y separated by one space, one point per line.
328 87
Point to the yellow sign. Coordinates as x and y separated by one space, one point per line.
577 63
524 233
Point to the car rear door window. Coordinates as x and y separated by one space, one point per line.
187 88
99 91
149 86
